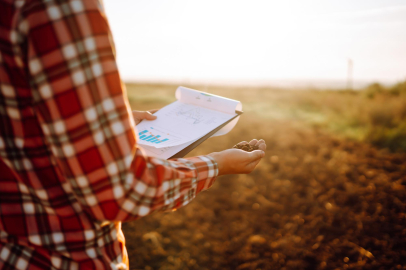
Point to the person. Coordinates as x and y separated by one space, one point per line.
70 167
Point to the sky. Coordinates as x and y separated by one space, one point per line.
258 42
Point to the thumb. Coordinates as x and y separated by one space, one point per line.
149 116
257 154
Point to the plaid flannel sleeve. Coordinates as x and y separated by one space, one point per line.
87 122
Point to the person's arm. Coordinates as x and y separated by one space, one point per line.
87 123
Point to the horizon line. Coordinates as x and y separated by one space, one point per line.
276 83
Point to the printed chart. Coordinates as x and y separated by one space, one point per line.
154 135
185 115
191 116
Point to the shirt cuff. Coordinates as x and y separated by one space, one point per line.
206 171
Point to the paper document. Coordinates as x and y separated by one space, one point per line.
185 121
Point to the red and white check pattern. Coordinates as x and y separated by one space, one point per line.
70 168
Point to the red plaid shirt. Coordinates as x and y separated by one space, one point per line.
70 168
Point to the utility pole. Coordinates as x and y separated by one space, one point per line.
349 74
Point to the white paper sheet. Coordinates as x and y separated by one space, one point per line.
165 152
186 120
213 102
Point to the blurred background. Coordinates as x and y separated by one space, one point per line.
324 83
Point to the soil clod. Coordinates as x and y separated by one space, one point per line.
246 147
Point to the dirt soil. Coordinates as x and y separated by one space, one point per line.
315 202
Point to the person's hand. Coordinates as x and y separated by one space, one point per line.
143 115
236 161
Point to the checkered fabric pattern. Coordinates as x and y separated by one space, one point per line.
70 168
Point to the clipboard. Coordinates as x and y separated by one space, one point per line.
192 146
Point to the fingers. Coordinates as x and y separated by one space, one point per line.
261 145
260 141
256 157
257 154
251 166
146 115
142 115
256 142
153 111
236 161
253 142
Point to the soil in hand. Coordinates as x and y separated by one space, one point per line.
246 147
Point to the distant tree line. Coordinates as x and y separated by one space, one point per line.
376 88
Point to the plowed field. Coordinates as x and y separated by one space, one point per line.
316 201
